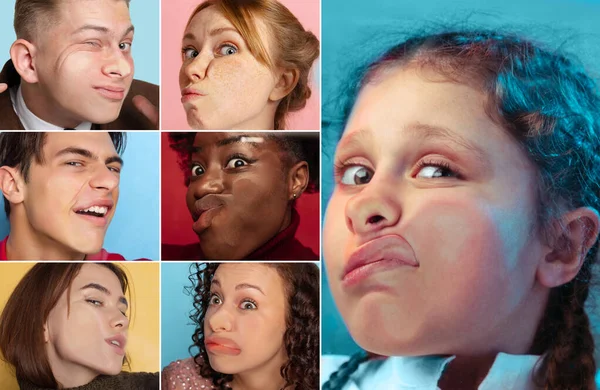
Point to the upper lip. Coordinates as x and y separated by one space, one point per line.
387 247
221 341
108 203
191 91
122 340
205 203
112 88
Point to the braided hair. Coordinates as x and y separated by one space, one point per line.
550 105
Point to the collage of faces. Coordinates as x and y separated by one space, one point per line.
299 195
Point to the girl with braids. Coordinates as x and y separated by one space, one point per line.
466 206
257 328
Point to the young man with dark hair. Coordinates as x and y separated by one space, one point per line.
60 193
71 68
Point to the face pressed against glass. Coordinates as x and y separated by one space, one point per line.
86 332
84 63
79 171
245 321
238 195
446 198
223 85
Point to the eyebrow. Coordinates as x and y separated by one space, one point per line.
104 290
212 33
87 154
101 29
245 139
241 286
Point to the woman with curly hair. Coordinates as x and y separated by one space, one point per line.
464 222
257 328
242 190
245 65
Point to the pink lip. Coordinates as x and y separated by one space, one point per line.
188 94
381 254
222 345
111 92
120 350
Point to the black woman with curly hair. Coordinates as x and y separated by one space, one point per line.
257 327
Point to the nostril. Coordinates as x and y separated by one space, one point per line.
375 219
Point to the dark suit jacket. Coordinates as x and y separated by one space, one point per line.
129 118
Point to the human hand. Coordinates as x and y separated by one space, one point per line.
149 110
3 87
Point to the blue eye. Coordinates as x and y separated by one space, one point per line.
356 175
227 50
197 170
190 53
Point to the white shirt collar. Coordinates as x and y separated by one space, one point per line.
509 372
29 120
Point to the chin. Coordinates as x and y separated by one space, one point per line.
102 117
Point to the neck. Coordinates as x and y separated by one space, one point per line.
44 108
258 381
25 243
67 374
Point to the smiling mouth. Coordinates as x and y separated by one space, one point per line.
94 211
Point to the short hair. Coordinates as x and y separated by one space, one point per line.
27 310
19 149
31 15
294 47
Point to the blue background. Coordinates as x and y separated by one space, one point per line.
354 32
145 18
134 230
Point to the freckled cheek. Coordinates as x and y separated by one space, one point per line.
241 82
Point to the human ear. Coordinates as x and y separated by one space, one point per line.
22 53
11 183
287 81
575 233
46 336
298 179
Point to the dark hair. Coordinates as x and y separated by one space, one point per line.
20 149
295 48
32 16
27 310
551 107
296 147
301 338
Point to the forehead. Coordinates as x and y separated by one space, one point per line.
96 273
211 141
99 143
111 14
263 276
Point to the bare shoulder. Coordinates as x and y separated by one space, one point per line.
184 374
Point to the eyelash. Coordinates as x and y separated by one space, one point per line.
97 303
79 164
185 50
236 156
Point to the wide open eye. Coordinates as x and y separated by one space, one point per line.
236 163
356 175
227 50
214 300
190 53
197 170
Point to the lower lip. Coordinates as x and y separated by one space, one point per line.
222 349
190 96
111 95
118 350
361 274
98 221
205 219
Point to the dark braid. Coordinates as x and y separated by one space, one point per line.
338 379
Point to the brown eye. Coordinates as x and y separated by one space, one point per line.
356 175
197 170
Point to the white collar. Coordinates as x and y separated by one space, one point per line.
509 372
29 120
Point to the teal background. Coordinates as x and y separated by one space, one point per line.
134 230
145 18
355 31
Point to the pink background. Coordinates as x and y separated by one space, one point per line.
176 222
175 14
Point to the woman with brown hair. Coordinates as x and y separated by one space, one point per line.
245 65
257 327
66 326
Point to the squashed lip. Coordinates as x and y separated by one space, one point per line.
206 203
111 92
222 344
188 94
379 254
122 340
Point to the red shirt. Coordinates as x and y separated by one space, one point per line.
284 246
101 256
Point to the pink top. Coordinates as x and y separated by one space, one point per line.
184 374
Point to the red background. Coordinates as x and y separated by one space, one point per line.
176 220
